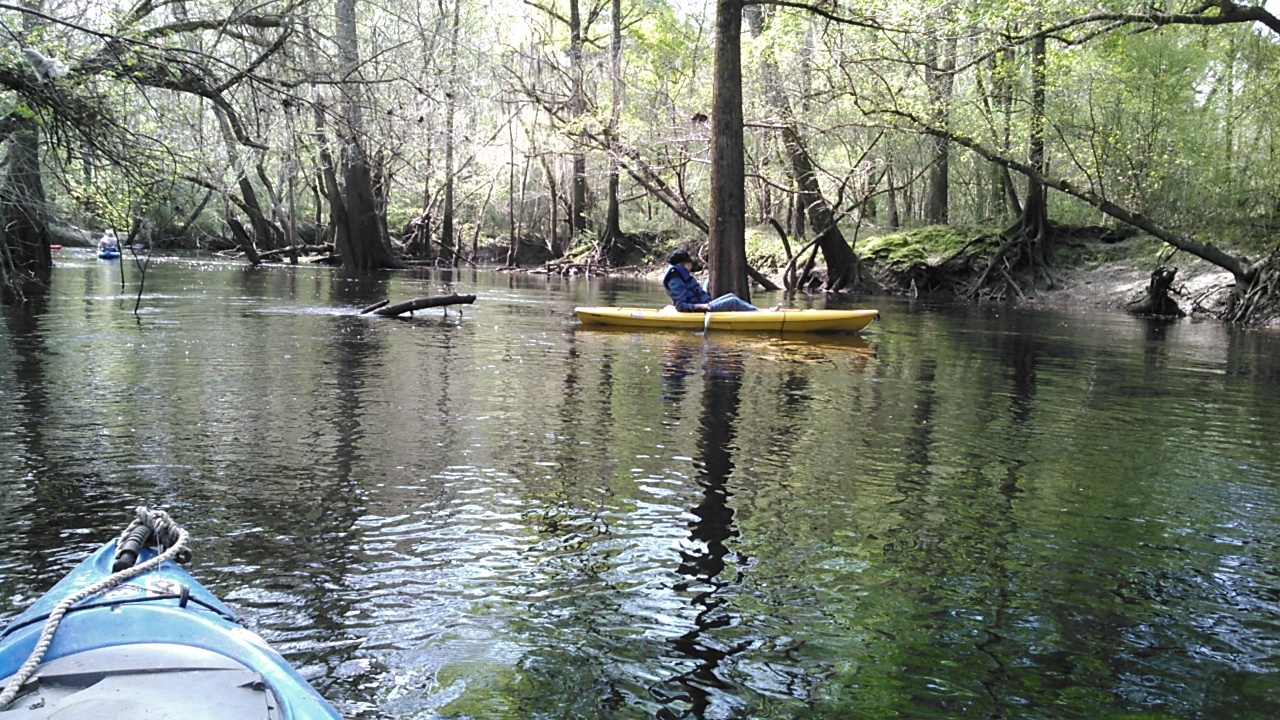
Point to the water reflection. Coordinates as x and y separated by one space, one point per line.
702 559
29 484
680 358
969 511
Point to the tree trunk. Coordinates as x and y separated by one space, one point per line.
263 232
242 236
448 236
1007 203
728 252
292 226
25 255
797 212
24 238
1256 295
1156 301
332 190
553 211
1026 247
891 218
611 235
364 244
841 262
367 245
577 108
939 77
419 242
513 223
1035 213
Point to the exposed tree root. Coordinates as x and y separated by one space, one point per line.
1259 302
1020 265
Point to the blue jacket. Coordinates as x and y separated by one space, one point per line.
684 289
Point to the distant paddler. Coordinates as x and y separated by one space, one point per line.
108 241
108 246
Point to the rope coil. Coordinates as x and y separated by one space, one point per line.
148 524
171 542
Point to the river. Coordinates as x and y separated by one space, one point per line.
495 513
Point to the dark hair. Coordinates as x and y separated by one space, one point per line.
679 256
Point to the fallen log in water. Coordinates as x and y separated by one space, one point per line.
300 249
421 304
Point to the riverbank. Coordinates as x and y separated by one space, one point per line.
1202 288
1108 276
1091 268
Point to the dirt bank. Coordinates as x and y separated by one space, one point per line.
1202 288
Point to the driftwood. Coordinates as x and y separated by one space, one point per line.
246 242
420 304
374 306
569 268
312 249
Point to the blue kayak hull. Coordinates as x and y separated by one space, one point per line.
164 608
108 255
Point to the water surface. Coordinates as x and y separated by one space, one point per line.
494 513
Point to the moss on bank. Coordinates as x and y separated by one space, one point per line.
928 245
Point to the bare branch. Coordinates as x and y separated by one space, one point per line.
860 21
548 10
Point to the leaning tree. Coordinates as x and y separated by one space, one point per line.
69 89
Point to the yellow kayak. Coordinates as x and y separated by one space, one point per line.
776 320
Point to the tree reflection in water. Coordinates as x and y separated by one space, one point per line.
703 558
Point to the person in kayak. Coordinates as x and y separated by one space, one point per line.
687 294
107 242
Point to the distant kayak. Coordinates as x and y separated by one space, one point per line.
55 247
108 254
764 320
156 645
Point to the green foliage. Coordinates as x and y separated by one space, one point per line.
1174 122
1142 251
764 248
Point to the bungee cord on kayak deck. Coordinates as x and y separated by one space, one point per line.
171 542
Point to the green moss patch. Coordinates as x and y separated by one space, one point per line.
928 245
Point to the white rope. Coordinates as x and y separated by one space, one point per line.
165 531
179 544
